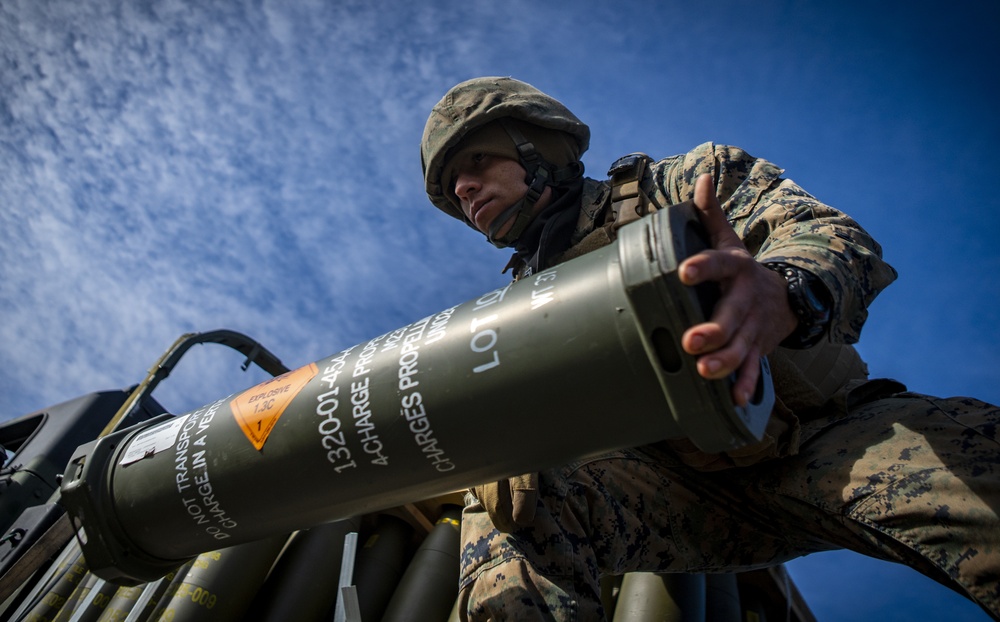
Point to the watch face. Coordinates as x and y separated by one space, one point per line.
808 299
810 291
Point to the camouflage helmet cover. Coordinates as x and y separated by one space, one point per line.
474 103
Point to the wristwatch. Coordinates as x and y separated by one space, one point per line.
810 301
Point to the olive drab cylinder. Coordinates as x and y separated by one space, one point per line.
220 584
649 597
430 583
381 561
289 592
576 360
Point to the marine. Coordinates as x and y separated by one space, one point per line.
846 461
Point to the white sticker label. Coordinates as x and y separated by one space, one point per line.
151 442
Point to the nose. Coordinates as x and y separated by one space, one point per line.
466 185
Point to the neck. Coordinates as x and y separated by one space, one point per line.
549 233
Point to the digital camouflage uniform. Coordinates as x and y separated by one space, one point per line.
845 462
853 464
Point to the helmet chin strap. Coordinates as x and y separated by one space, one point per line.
538 175
521 212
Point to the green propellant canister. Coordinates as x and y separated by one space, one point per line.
54 594
292 591
430 583
653 597
722 598
137 603
480 391
153 593
221 584
380 563
88 601
123 601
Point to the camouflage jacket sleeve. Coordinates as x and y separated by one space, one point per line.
779 221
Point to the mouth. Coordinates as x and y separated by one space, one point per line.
475 208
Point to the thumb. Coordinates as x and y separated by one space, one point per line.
720 233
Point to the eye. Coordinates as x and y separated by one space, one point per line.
477 158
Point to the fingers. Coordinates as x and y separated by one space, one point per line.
717 361
739 356
733 322
732 340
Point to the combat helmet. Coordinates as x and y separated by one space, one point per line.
527 116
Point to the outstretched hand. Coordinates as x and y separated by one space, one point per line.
752 316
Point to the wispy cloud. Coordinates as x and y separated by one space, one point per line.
184 168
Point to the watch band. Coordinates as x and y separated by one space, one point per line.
809 300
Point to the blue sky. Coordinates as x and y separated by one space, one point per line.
170 166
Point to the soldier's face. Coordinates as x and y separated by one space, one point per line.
486 185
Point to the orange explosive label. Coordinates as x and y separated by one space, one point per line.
258 409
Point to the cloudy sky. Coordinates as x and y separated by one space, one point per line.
171 166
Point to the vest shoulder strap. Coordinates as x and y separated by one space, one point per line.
630 177
607 206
